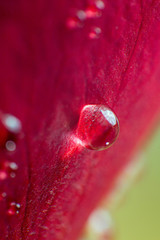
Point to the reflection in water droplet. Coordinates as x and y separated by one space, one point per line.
95 33
7 169
10 127
13 208
98 127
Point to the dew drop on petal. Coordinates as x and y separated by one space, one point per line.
7 169
81 15
100 4
13 208
13 166
98 127
12 123
94 33
10 127
93 12
73 23
3 174
10 146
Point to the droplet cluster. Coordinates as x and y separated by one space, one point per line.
10 130
13 208
98 127
92 11
7 169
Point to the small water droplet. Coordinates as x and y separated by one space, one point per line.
10 146
12 175
10 127
12 123
98 127
2 195
13 208
81 15
93 12
100 221
3 174
73 23
100 4
7 169
94 33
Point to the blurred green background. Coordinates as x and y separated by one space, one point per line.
138 216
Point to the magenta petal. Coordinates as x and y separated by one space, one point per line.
48 73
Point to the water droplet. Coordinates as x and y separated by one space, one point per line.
12 123
98 127
73 23
10 146
94 33
13 208
2 195
93 12
10 127
7 169
81 15
100 4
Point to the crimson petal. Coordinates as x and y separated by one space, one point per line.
48 73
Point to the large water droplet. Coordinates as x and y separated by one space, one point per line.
94 33
13 208
10 127
7 169
98 127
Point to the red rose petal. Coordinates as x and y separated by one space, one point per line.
48 73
